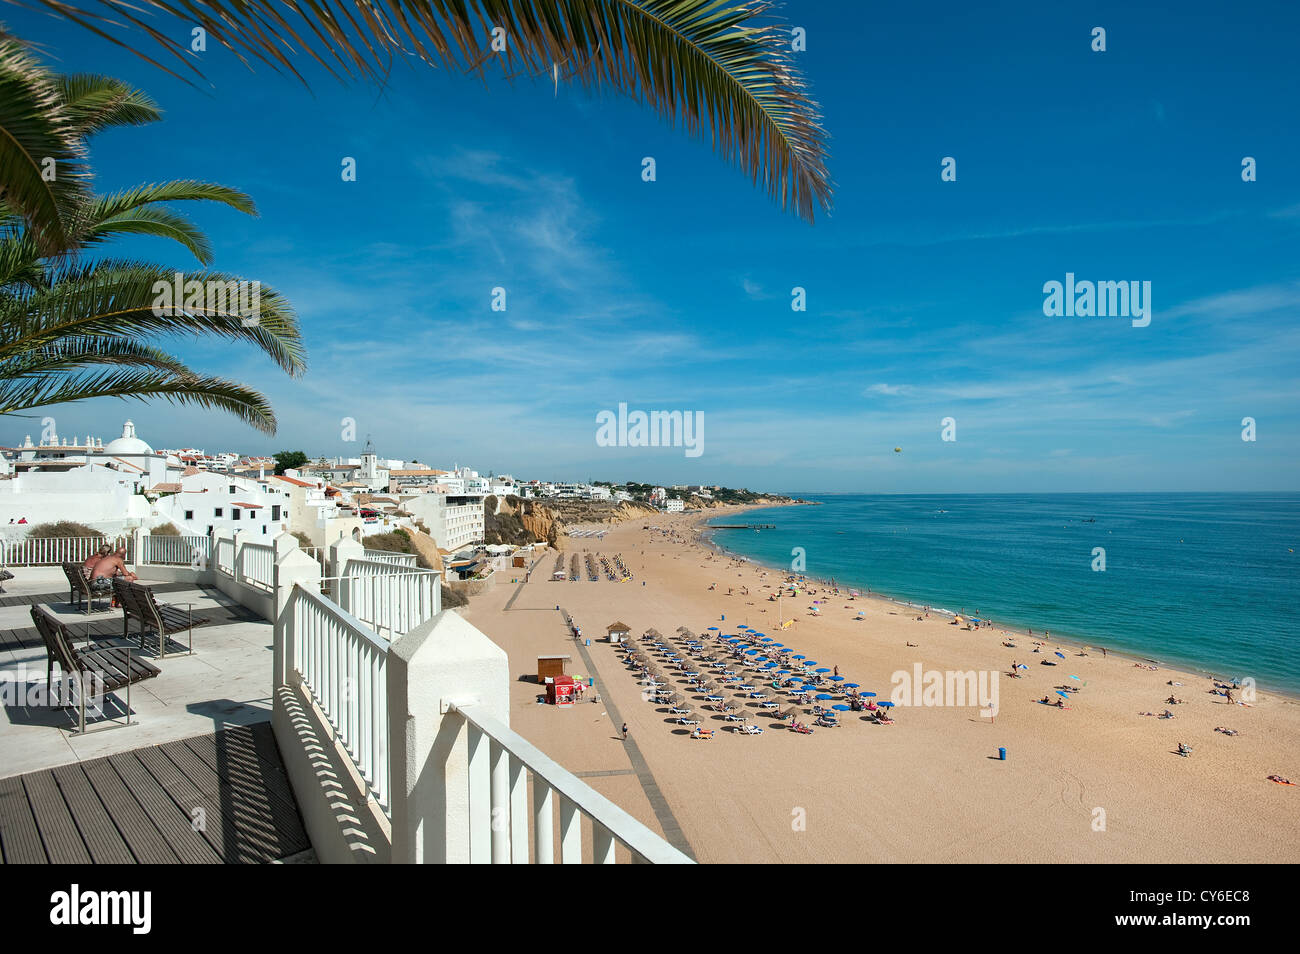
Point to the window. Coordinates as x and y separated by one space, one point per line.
189 514
232 488
217 512
275 512
234 513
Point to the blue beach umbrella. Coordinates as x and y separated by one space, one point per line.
823 695
837 678
887 705
1062 692
799 656
842 707
715 629
810 662
823 669
851 685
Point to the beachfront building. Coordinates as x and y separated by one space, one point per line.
675 505
453 520
410 480
203 501
84 479
658 496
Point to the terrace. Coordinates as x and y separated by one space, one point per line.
330 704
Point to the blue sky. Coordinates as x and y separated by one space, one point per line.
924 297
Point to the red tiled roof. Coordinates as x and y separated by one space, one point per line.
295 481
248 505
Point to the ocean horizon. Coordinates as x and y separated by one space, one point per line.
1201 581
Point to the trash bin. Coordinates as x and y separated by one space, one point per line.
1002 754
589 642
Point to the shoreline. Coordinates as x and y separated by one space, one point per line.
1073 641
930 788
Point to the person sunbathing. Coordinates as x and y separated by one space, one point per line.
1184 749
1281 780
94 558
1174 701
109 567
1225 731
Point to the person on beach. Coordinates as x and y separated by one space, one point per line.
624 731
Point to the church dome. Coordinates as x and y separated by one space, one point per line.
128 443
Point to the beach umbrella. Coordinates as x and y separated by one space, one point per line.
887 705
837 678
799 657
852 685
711 629
842 707
1062 692
810 662
824 695
1062 655
823 669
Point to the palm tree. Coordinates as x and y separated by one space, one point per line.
72 329
723 64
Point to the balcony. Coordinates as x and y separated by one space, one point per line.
390 716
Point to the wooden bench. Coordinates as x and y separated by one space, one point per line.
79 587
110 669
137 602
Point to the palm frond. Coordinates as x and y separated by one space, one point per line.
21 394
131 299
95 103
159 223
724 65
42 167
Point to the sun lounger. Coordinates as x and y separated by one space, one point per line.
110 669
138 602
80 592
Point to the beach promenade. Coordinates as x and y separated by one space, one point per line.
1094 782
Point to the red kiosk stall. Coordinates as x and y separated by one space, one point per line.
561 691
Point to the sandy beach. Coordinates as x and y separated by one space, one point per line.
1095 782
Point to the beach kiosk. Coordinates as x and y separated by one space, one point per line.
562 691
550 668
617 632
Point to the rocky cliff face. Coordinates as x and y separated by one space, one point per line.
521 522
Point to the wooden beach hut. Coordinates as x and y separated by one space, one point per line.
617 632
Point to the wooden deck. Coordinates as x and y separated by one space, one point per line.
204 800
106 623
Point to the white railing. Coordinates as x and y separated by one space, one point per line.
192 550
389 556
51 551
226 556
500 814
342 664
257 565
390 599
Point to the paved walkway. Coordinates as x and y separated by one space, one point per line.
672 829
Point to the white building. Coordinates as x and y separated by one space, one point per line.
203 501
454 520
675 505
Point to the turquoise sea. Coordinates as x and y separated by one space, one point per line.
1208 582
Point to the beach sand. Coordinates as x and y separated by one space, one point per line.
1093 783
